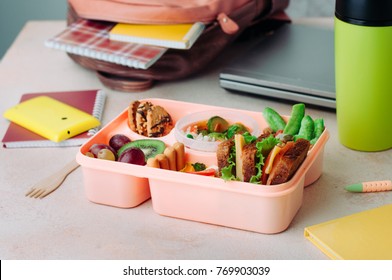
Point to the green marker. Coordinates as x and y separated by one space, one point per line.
375 186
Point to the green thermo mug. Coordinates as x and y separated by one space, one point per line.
363 73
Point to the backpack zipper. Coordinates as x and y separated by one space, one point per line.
228 25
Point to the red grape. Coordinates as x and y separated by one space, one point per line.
118 140
133 155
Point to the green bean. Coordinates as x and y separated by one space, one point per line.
318 130
306 130
294 123
274 120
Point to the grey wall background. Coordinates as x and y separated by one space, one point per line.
15 13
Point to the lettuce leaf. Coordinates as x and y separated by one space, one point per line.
255 179
227 171
263 149
249 138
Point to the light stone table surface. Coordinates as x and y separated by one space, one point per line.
65 225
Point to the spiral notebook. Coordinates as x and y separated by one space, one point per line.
91 39
89 101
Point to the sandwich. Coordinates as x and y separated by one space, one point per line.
263 160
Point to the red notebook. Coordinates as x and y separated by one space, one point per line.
89 101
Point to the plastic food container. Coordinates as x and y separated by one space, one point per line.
246 206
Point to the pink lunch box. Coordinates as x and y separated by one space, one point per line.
252 207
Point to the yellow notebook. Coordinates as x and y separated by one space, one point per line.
176 36
51 118
362 236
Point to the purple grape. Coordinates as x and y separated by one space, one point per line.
95 148
118 140
133 155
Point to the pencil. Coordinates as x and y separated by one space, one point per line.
374 186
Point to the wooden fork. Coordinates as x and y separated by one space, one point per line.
51 183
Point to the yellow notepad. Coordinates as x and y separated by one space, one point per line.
362 236
176 36
51 118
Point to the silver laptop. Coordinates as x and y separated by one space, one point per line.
295 63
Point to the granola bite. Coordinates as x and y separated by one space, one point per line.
149 120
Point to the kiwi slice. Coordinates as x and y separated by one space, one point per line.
150 147
217 124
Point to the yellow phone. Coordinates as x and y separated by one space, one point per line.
51 118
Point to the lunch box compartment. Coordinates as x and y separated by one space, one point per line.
258 212
115 189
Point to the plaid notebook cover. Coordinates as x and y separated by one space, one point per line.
91 39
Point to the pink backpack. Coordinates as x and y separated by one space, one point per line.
225 19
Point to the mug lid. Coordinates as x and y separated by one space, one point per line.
365 12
